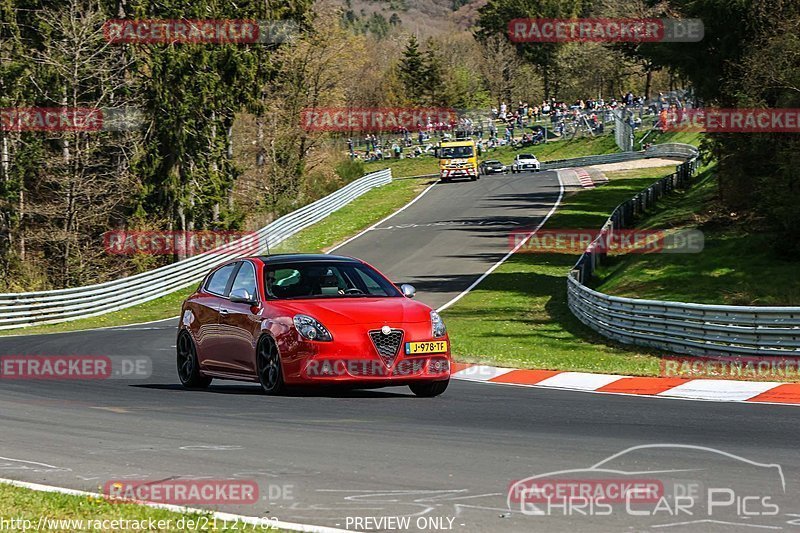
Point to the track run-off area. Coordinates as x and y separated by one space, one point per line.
326 457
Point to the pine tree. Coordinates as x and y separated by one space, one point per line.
412 71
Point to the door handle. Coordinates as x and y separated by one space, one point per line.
223 312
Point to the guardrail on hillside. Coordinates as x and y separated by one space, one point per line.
689 328
661 150
48 307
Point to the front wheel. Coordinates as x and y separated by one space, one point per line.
429 389
268 364
188 366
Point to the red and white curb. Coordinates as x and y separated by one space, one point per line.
579 178
584 178
717 390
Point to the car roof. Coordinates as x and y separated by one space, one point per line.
305 258
526 156
491 161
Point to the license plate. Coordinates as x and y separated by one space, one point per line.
415 348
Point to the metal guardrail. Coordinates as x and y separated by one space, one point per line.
679 151
48 307
688 328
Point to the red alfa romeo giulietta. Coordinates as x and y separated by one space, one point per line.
305 319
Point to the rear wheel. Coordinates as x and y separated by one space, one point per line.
268 364
429 389
188 366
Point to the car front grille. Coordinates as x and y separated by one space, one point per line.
387 346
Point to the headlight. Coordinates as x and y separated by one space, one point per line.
437 324
310 329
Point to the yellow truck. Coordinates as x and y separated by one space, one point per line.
458 159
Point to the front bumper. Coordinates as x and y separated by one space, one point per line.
457 172
352 358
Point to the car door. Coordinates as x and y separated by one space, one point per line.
210 339
240 324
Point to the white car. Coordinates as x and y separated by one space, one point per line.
525 162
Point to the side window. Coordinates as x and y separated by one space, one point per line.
282 282
245 279
219 280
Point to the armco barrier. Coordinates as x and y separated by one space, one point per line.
48 307
680 151
688 328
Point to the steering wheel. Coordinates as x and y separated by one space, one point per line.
353 290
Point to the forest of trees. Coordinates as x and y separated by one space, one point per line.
220 146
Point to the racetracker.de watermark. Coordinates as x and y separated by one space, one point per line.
82 119
375 119
643 30
121 242
554 490
74 367
198 31
184 491
617 242
375 368
749 368
744 120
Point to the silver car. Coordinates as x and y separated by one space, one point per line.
525 162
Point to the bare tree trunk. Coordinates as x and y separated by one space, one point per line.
21 224
5 163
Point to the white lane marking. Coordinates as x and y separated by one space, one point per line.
176 317
719 389
372 227
579 380
451 223
252 520
43 467
512 252
213 447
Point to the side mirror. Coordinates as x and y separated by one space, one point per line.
408 290
241 296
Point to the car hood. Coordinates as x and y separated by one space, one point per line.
391 311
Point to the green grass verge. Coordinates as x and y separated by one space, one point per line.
354 217
738 266
518 316
358 215
687 137
25 504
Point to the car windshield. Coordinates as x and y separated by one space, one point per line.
322 279
527 156
452 152
492 162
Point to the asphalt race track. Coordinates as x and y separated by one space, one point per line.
455 232
321 457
